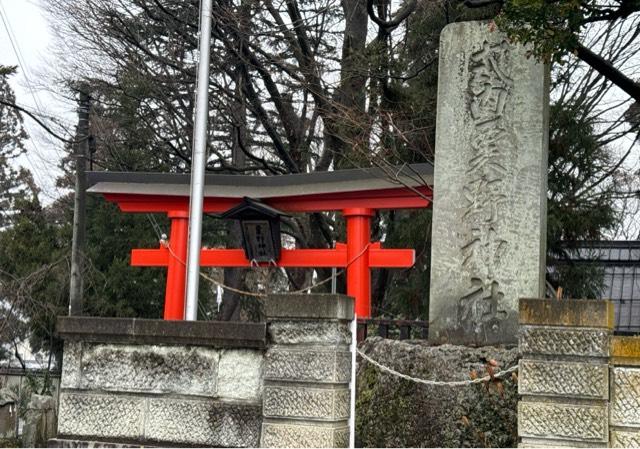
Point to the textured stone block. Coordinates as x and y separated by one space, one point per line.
149 368
310 332
67 443
203 423
317 306
100 416
584 342
306 402
564 379
563 421
625 350
625 396
219 334
624 438
490 178
298 435
571 313
240 374
307 365
71 356
531 443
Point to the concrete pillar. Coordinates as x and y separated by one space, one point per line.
307 371
490 186
564 372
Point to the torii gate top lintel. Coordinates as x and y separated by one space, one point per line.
356 193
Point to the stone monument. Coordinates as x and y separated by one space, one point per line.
490 185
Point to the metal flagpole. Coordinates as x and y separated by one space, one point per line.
198 162
352 386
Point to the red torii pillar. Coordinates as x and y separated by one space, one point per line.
358 272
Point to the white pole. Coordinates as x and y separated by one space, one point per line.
352 414
198 162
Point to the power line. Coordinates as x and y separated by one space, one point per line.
25 68
18 53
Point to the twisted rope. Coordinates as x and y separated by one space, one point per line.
454 383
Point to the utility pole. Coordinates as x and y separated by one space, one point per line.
76 293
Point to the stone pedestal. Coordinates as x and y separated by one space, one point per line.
307 371
490 186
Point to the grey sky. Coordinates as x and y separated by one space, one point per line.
27 24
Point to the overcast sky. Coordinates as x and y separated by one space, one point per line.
24 30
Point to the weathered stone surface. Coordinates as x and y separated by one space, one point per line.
392 412
623 438
306 402
100 416
310 332
625 350
563 421
203 423
533 442
564 379
625 396
489 208
316 306
570 313
584 342
62 442
240 374
307 365
295 435
149 368
219 334
39 421
71 355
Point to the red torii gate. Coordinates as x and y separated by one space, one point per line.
355 193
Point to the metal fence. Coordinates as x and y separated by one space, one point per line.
396 329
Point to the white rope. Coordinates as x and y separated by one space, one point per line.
455 383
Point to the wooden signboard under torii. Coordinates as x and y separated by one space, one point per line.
356 193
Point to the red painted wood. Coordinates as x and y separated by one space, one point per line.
358 272
400 198
290 258
176 268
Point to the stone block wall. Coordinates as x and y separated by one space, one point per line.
579 384
564 373
307 371
624 408
283 383
144 381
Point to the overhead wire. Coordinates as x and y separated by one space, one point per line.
37 169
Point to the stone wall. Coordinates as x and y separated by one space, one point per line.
393 412
564 372
579 384
624 413
168 383
119 386
307 371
